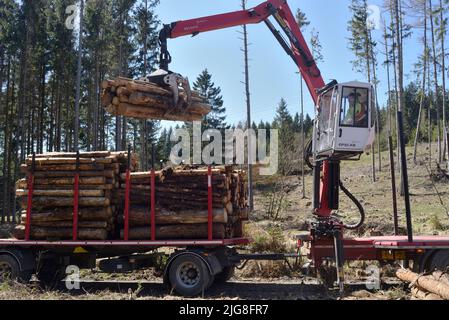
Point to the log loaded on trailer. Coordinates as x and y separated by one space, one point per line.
343 129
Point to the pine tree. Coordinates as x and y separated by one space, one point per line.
206 87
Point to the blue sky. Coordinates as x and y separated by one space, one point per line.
272 73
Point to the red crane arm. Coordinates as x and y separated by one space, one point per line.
278 9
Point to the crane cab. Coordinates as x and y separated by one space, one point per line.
344 123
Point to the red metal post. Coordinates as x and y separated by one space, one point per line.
153 205
127 192
30 198
209 204
76 199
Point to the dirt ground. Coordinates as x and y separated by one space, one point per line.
274 280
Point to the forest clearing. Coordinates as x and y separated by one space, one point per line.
121 179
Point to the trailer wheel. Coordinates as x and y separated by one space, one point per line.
440 261
189 275
225 275
10 270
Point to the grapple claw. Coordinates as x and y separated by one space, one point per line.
173 81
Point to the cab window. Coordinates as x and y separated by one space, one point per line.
354 107
325 110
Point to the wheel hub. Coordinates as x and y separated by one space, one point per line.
188 274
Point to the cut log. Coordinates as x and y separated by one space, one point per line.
139 112
63 214
66 167
164 103
69 224
62 160
22 184
88 154
49 202
58 181
176 232
441 276
428 283
424 295
70 174
38 233
140 216
61 193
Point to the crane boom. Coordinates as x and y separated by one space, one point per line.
296 46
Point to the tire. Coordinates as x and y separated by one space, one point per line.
10 270
440 261
189 276
225 275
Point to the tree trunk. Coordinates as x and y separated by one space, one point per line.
176 232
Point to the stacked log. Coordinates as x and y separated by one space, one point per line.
181 199
181 209
146 100
53 194
429 287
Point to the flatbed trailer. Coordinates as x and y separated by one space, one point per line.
196 264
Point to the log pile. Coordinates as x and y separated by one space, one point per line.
426 287
52 206
145 100
181 194
182 203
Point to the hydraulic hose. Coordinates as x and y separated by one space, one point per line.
308 154
359 206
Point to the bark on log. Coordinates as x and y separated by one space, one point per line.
66 167
88 154
140 216
69 224
62 214
164 103
62 160
139 112
58 181
427 283
49 202
176 232
38 233
424 295
22 184
61 193
70 174
441 276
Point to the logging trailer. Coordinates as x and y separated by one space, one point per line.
343 129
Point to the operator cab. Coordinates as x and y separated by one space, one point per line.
344 125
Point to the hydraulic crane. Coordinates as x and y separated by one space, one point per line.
344 125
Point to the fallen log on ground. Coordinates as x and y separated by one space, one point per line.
424 295
428 283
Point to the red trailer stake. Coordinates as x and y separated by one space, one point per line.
209 202
153 206
127 191
75 207
29 205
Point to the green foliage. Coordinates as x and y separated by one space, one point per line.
273 240
206 87
360 42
